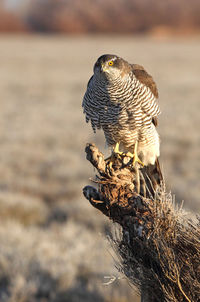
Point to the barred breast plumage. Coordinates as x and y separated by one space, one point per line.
121 99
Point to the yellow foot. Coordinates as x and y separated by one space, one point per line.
116 150
115 153
135 158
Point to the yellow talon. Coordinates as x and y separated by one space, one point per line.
135 156
112 157
137 160
116 149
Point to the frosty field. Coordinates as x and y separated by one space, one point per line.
53 244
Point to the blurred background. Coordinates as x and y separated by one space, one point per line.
53 244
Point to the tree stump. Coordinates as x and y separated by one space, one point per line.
159 248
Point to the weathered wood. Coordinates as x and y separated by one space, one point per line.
159 248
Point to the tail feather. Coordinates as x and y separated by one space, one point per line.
153 177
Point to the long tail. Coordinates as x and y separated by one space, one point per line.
153 177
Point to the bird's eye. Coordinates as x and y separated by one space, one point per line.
110 63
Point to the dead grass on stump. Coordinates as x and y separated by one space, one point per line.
159 246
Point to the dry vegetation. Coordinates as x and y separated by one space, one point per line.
52 242
158 245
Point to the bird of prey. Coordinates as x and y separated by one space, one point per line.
121 98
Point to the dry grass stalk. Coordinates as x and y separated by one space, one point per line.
159 247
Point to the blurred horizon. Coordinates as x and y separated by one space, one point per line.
180 17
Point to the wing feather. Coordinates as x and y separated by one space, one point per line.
145 78
151 108
90 108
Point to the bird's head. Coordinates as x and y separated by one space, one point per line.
111 67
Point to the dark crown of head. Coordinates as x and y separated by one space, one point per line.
106 57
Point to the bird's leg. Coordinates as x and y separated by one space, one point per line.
135 155
116 149
136 158
115 152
